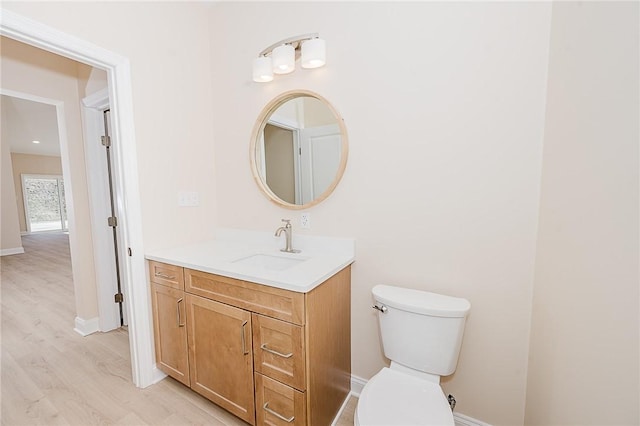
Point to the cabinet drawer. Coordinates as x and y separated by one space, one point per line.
165 274
278 350
273 302
278 404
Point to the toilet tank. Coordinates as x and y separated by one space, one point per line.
421 330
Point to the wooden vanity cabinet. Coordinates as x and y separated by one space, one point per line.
270 356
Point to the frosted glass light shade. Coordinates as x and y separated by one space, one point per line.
262 69
284 59
314 53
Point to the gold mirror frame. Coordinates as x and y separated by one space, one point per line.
258 129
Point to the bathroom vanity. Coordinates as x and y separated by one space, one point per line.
263 334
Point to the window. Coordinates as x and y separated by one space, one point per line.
44 204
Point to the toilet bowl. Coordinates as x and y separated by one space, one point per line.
395 398
421 334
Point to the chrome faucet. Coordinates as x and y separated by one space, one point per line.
287 233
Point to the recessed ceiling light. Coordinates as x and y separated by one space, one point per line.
35 141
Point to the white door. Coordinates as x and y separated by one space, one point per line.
320 149
106 239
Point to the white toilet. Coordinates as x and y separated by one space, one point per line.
421 335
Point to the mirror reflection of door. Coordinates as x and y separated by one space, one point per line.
319 159
300 164
279 152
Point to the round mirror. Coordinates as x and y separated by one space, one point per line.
298 149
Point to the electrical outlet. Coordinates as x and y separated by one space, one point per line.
188 199
305 220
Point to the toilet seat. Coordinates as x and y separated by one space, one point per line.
396 398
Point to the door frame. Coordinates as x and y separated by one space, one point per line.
25 30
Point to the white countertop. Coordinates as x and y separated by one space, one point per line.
321 258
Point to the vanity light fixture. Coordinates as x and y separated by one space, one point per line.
283 59
280 58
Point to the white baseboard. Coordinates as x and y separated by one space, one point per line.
86 327
10 251
357 384
156 375
342 407
462 420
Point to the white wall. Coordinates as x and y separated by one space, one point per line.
90 80
444 105
167 44
10 240
584 355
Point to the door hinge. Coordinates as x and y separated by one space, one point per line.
299 151
129 252
119 298
112 221
106 141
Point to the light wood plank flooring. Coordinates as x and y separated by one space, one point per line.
51 375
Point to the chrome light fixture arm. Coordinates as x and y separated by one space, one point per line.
295 41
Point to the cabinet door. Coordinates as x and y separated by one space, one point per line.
170 333
220 355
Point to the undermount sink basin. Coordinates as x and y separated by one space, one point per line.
269 262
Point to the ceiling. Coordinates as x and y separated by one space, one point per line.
24 121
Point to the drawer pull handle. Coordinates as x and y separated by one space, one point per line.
180 323
278 415
165 276
244 342
271 351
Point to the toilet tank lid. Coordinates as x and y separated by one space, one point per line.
421 302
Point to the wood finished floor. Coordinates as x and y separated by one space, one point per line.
53 376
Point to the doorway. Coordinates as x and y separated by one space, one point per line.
49 39
45 137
